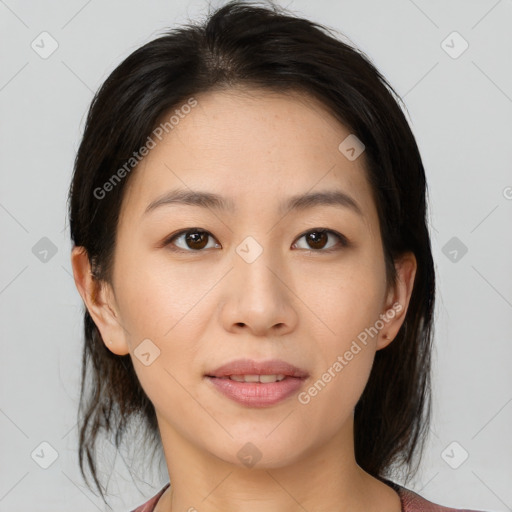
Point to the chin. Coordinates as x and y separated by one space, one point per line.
259 452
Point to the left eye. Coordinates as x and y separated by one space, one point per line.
318 239
194 239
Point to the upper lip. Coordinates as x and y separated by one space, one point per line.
251 367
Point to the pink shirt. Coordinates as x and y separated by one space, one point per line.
411 502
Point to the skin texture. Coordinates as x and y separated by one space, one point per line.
205 308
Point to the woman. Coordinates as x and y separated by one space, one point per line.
248 215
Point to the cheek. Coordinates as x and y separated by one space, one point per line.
344 357
165 308
158 298
346 297
347 303
165 305
329 400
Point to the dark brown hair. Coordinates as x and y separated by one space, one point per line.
261 47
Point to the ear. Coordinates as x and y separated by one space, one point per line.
398 298
99 299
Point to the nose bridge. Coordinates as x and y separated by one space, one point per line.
256 267
256 297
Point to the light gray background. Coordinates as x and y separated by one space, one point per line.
461 113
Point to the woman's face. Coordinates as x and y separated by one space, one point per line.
260 283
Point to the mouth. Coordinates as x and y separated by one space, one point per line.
257 384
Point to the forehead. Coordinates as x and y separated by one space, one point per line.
252 146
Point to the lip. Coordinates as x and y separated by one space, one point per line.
257 394
251 367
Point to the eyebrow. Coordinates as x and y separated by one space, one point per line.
298 202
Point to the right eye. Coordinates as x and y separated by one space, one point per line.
192 239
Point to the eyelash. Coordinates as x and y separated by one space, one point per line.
343 241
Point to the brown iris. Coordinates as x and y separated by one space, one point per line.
196 239
317 239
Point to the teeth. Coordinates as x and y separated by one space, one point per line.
271 378
257 378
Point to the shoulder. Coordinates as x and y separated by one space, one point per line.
150 505
413 502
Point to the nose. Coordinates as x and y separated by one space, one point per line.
259 298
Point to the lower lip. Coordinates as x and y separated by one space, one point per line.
257 394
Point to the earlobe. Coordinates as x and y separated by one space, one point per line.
398 298
99 302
